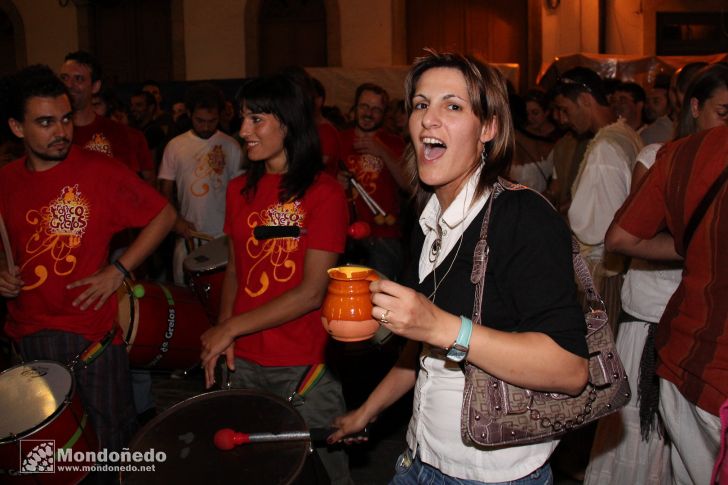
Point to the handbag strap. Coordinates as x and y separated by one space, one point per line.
482 251
480 256
702 208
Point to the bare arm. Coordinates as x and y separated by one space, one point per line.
529 359
638 173
661 247
305 297
229 286
10 282
182 226
400 379
105 281
374 146
395 166
167 189
227 300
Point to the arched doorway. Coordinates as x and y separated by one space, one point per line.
282 33
12 39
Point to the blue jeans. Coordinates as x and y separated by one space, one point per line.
411 471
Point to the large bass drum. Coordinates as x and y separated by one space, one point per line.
185 432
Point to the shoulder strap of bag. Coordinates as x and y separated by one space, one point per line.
702 208
480 256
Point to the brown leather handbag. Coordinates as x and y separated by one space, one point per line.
496 413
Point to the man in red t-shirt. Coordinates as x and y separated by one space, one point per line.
372 157
328 134
81 74
692 337
61 206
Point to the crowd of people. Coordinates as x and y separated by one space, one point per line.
98 193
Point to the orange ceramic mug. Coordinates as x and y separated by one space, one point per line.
347 310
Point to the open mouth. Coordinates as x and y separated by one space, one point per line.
434 148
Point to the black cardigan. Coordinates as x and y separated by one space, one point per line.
529 282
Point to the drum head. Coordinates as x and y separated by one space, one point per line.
30 395
208 257
185 433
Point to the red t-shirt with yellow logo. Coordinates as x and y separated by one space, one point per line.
115 140
60 222
267 268
373 175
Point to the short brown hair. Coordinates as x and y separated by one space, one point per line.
488 95
376 89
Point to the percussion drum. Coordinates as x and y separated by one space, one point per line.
161 325
41 413
205 267
185 432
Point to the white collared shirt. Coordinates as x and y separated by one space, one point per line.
601 186
453 222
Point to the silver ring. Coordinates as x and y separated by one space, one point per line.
383 318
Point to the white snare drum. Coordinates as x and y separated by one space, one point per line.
205 267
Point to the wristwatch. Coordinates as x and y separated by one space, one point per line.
459 349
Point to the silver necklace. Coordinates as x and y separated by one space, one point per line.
437 284
437 245
435 248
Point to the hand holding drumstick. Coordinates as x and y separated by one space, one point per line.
10 282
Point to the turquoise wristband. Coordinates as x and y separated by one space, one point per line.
461 346
466 330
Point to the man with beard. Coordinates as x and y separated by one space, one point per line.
81 74
61 206
200 162
602 182
372 158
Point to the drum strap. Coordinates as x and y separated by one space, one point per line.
310 378
94 349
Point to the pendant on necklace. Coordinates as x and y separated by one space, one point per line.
435 249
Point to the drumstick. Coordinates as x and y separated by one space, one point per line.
201 235
227 439
365 199
6 246
368 198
